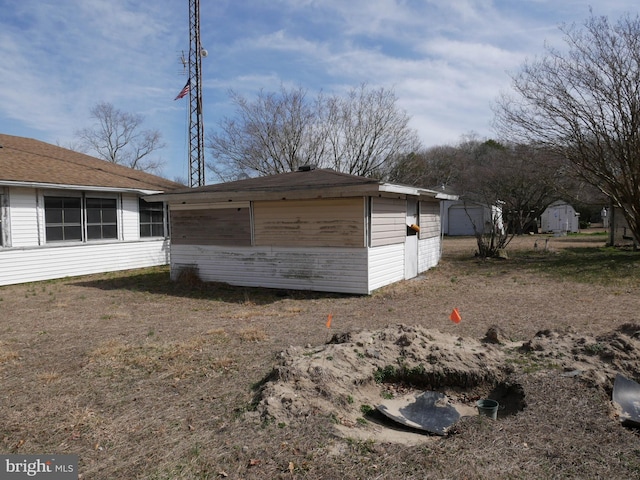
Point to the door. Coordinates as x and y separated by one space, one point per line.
411 241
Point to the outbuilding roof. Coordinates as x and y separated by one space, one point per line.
304 183
29 162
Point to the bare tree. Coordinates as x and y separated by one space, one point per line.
117 137
276 133
434 167
515 182
367 132
583 103
361 134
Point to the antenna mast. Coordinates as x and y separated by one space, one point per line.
196 126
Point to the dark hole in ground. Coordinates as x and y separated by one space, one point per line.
510 396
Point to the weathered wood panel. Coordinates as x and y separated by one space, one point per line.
211 226
318 269
331 222
429 220
388 221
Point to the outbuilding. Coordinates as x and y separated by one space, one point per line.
470 218
560 218
313 229
63 213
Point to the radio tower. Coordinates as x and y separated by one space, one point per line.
196 126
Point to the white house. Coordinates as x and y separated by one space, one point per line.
560 217
63 213
314 229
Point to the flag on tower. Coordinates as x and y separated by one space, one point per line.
185 90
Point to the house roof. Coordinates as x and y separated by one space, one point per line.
29 162
305 183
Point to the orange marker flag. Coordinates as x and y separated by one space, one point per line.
455 316
329 318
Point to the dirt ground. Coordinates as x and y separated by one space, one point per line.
148 379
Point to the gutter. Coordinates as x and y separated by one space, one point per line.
58 186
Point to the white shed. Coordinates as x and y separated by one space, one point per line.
314 229
560 217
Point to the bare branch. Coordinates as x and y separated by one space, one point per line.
117 137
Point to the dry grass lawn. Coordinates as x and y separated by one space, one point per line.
148 379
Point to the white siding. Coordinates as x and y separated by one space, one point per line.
23 217
428 253
129 219
45 263
386 265
319 269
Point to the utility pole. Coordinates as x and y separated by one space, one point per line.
196 126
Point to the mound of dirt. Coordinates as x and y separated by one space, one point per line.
348 377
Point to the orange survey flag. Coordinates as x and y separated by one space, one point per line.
329 318
455 316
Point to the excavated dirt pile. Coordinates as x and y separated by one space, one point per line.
349 376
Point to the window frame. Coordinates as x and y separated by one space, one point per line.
110 206
105 223
50 215
159 221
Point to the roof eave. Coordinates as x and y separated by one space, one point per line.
253 195
94 188
446 196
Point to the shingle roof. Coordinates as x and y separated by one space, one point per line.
313 178
25 160
308 183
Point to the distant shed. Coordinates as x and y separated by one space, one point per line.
469 218
315 229
560 217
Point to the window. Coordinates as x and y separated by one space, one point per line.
151 219
63 218
74 219
102 220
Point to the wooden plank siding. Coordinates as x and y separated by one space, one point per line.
388 221
319 269
330 222
211 226
429 220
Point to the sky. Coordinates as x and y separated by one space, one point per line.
446 60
